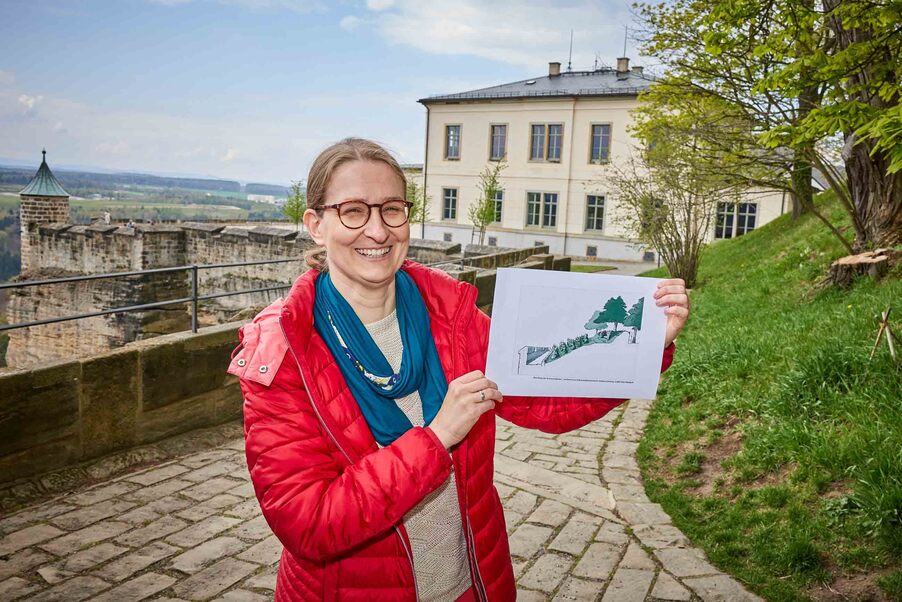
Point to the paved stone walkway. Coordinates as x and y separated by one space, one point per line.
190 529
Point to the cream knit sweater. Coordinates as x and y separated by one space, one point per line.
434 525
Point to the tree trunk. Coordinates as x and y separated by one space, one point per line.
809 98
876 194
802 193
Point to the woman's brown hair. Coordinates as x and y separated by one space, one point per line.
343 151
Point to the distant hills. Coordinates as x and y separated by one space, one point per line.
80 180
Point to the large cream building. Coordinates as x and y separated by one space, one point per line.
559 135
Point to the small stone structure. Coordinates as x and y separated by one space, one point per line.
43 201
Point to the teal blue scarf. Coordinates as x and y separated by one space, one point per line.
371 379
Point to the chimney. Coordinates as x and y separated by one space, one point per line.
623 64
554 69
637 69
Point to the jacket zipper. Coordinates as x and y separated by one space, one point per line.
471 541
322 422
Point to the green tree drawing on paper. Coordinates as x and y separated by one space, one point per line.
634 318
595 323
614 311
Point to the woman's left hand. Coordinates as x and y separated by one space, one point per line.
671 294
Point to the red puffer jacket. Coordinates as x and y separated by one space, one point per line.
334 498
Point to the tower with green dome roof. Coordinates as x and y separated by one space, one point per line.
43 201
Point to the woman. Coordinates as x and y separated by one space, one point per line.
369 423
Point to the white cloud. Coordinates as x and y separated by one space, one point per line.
378 5
248 147
350 23
527 33
29 102
7 77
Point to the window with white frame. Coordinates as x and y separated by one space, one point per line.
498 142
537 143
533 208
735 219
591 251
452 142
541 209
746 217
546 141
555 140
446 237
449 203
595 212
600 148
549 209
499 203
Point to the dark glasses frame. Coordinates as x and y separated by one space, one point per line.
370 206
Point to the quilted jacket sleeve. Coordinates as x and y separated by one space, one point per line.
548 414
317 504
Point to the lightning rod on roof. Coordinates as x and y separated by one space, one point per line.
570 56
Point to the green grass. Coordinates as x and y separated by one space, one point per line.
591 268
815 487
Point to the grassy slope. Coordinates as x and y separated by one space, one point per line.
775 444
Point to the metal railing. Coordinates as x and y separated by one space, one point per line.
193 299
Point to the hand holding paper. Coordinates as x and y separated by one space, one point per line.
671 294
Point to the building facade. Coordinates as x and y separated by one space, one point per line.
559 137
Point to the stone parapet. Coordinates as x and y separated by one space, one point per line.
72 411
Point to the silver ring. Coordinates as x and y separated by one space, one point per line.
482 395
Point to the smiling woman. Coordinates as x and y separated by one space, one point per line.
364 250
369 424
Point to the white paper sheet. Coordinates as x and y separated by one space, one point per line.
568 334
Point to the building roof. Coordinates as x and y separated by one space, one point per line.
601 82
44 183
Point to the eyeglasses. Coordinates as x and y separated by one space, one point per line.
355 214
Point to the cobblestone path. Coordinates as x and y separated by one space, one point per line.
190 529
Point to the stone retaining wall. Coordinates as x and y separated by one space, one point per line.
72 411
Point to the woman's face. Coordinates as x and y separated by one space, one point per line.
367 257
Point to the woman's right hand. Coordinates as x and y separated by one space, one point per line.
469 397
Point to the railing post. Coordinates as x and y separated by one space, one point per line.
194 298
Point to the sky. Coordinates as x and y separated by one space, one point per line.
252 90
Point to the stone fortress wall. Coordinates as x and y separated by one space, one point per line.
62 249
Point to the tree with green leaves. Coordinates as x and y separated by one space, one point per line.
634 318
713 75
669 198
614 311
789 76
419 210
482 211
595 323
296 204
